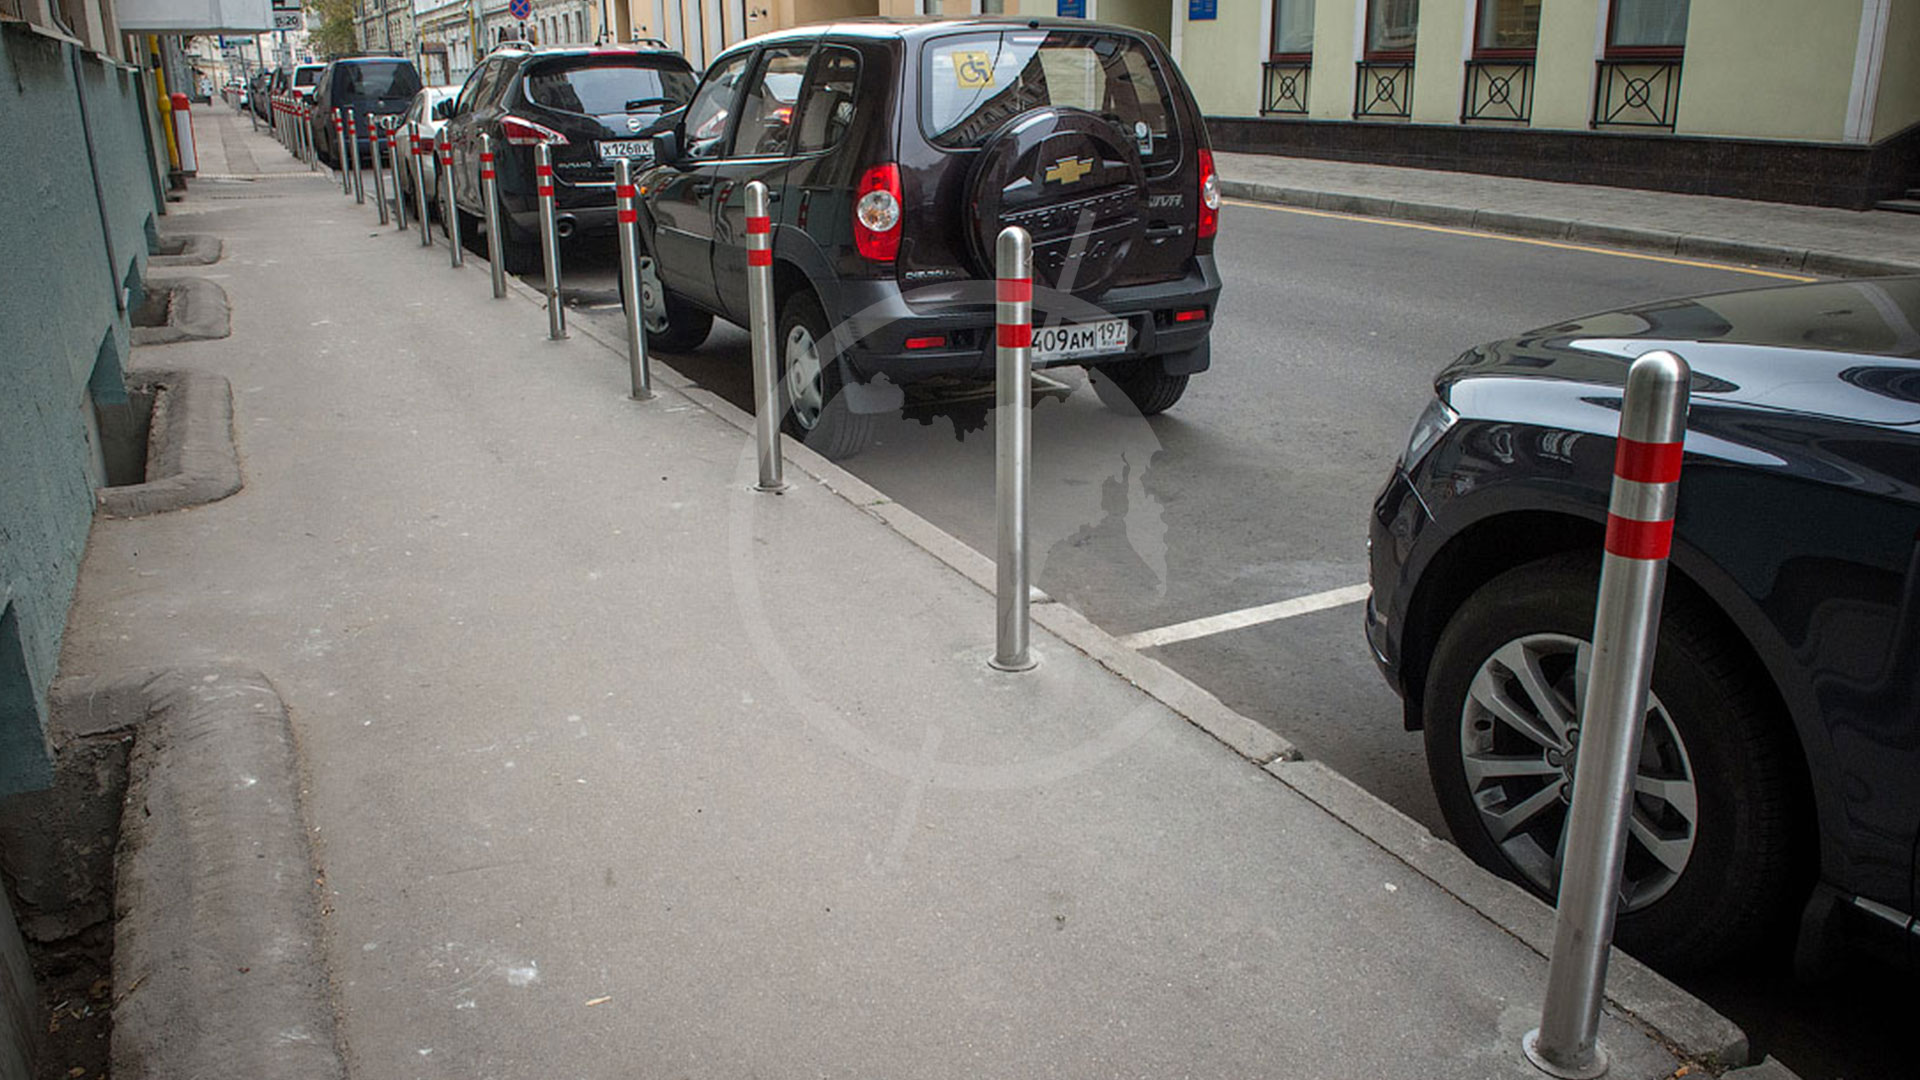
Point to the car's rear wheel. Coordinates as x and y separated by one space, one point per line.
1716 849
1141 386
817 411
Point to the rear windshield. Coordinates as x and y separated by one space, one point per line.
395 80
971 84
598 86
307 76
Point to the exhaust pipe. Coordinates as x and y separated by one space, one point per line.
564 226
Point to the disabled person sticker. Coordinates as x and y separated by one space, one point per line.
972 69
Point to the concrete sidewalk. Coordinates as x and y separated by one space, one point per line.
1816 240
615 767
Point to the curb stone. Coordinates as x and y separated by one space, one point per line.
1532 226
217 967
191 456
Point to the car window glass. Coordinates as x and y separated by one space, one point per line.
971 84
826 111
607 87
713 106
766 112
381 81
306 76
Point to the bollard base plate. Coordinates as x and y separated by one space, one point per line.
1026 663
780 488
1594 1067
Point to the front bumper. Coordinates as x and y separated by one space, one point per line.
880 317
1399 518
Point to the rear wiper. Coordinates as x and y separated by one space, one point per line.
640 103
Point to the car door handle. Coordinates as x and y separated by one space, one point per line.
701 191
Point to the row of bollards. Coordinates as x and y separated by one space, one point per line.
1632 581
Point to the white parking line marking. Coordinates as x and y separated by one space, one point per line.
1253 616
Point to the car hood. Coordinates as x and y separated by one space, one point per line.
1849 350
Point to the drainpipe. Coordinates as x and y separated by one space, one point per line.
93 167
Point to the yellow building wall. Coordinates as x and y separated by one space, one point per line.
1898 107
1153 16
1222 56
1563 69
1439 60
1770 69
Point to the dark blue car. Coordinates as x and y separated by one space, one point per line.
1779 779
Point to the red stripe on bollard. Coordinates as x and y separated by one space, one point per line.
1016 335
759 258
625 191
1015 291
543 170
487 156
486 174
1647 463
759 226
544 189
1631 539
628 217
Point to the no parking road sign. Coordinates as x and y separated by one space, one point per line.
521 10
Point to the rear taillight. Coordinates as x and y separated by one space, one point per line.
876 213
1209 195
520 132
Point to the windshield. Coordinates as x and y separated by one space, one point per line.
394 80
307 76
971 84
597 87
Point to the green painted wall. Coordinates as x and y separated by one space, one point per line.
1898 107
59 321
1770 69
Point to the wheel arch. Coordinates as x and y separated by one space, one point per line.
1483 550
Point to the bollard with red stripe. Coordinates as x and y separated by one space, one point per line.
340 147
767 408
353 152
449 212
399 169
1013 442
376 141
549 239
1607 739
490 204
626 201
418 155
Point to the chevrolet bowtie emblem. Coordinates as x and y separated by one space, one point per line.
1069 170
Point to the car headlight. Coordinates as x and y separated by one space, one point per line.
1433 422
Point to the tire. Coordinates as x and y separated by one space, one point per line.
1141 386
816 410
470 232
672 324
1733 874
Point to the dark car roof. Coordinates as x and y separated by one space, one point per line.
1845 349
543 52
917 27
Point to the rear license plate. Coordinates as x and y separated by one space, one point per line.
636 149
1103 338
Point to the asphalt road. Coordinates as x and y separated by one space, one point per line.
1256 488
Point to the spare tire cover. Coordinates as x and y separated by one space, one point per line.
1071 179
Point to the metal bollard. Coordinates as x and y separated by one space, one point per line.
1013 440
490 197
399 164
766 368
1626 627
449 213
340 138
627 204
420 181
549 240
376 132
353 149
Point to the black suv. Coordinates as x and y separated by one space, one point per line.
591 105
368 86
896 151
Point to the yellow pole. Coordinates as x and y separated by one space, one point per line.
164 101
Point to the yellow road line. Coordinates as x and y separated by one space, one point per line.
1560 244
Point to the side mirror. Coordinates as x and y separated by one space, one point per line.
444 110
666 147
